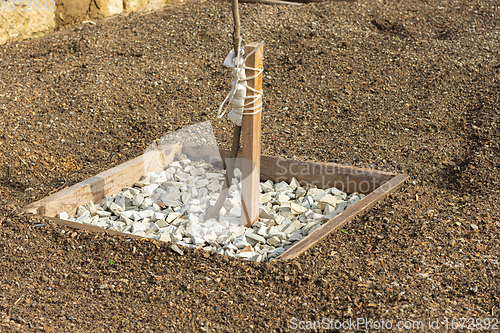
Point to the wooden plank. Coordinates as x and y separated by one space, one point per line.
323 175
340 220
105 183
92 228
250 136
81 226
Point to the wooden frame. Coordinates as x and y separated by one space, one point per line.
375 184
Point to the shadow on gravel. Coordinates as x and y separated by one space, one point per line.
391 27
470 172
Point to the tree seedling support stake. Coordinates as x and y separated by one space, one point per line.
213 211
251 127
251 132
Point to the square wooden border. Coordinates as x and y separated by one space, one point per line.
375 184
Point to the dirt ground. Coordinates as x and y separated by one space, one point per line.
408 85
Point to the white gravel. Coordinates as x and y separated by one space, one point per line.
170 205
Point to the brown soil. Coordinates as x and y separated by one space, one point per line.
411 85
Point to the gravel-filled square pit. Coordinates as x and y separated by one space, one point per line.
301 201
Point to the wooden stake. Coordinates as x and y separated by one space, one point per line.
251 131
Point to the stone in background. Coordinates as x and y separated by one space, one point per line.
134 5
70 12
21 24
105 8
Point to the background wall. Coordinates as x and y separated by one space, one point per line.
21 20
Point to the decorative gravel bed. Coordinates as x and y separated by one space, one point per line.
170 206
419 89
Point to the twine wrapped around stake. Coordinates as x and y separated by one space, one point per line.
236 97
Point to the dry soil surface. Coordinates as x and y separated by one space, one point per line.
411 86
